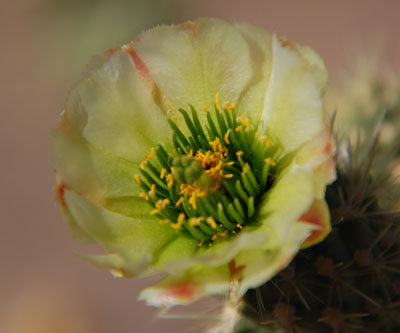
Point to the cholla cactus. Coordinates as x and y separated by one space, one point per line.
350 282
368 95
200 151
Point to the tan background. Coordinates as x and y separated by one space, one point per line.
44 46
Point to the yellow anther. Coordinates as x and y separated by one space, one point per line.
205 107
163 173
170 180
176 226
179 202
210 220
244 120
192 200
245 169
150 156
143 164
163 221
184 188
238 128
155 211
213 162
232 106
239 153
226 138
258 135
144 195
239 226
219 151
192 189
194 222
161 204
221 234
228 175
181 218
215 144
191 152
217 102
227 105
137 178
164 203
268 141
153 190
270 161
201 243
179 222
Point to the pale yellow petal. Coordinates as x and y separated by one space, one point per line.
261 266
192 62
135 240
183 289
318 216
293 109
113 107
259 42
89 169
292 194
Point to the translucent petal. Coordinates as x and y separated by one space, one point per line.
250 269
287 200
135 240
192 62
317 155
178 249
110 261
184 289
74 228
114 109
91 170
71 159
293 109
317 215
260 266
259 42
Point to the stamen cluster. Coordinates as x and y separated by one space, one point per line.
209 186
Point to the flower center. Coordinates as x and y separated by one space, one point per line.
209 187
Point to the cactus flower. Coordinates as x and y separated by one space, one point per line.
200 152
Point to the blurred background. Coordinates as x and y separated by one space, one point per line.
45 45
